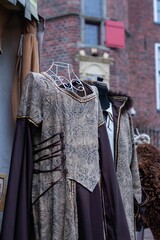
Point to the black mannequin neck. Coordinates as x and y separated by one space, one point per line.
103 94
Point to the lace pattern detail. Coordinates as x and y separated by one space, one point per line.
65 152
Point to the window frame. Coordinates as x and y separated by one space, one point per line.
155 12
94 21
157 75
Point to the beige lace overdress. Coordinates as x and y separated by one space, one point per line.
65 152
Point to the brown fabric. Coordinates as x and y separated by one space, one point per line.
30 57
27 61
18 199
90 221
117 227
149 168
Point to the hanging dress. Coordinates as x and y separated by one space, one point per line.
62 183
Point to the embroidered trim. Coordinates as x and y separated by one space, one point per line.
79 99
101 124
29 119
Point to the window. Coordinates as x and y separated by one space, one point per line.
156 11
93 8
157 69
93 22
92 33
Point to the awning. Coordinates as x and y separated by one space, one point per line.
29 7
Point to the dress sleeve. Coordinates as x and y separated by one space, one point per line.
101 119
32 98
17 213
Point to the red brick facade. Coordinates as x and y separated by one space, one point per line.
133 69
118 10
144 34
61 31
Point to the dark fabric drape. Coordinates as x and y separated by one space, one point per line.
103 206
117 226
90 221
17 214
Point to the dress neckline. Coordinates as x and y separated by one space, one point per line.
72 94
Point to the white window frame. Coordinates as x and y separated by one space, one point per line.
155 12
157 76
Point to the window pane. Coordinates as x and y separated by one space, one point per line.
158 56
158 5
158 16
158 10
93 8
158 63
91 34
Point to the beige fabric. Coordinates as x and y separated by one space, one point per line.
127 170
30 57
27 60
125 157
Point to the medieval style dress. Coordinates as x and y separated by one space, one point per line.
62 183
119 126
125 157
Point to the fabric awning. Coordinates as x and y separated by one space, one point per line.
29 7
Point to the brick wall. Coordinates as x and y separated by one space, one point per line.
61 36
133 70
144 33
118 10
62 31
